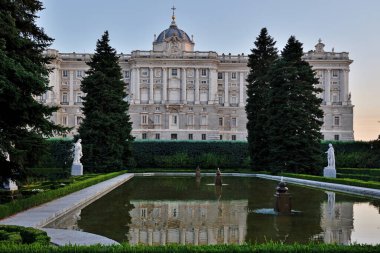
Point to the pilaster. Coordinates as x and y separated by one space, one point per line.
196 92
226 103
151 100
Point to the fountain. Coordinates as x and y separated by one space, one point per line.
218 178
283 203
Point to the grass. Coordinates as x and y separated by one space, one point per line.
267 247
77 184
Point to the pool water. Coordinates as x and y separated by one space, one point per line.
183 210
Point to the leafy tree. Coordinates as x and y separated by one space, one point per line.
295 115
24 121
260 61
106 129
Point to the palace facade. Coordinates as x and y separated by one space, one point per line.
178 93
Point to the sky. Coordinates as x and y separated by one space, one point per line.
231 26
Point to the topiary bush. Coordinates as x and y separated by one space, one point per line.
23 235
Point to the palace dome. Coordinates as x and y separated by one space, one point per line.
172 31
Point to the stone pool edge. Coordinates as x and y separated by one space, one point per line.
40 216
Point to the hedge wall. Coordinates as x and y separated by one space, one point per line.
212 154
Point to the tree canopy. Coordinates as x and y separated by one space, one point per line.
106 129
24 121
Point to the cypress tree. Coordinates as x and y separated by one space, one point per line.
106 129
24 121
295 114
260 60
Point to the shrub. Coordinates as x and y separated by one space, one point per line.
24 235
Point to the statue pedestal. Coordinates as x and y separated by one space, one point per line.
77 170
283 204
10 185
329 172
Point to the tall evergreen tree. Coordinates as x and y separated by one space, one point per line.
24 121
260 61
106 129
295 114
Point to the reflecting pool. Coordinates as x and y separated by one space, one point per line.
163 210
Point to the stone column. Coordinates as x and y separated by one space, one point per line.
151 100
132 86
241 89
150 236
328 87
212 88
183 87
346 89
225 234
71 87
163 236
137 91
164 85
226 104
183 236
196 92
196 236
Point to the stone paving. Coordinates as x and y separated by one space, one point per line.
41 215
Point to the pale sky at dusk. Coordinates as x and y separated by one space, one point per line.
232 27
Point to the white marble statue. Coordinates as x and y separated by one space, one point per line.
77 152
330 157
9 184
330 171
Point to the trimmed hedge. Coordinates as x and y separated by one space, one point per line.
22 235
212 154
267 247
43 197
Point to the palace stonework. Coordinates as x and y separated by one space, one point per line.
178 93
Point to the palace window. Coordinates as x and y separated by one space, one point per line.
79 97
64 120
204 120
174 120
336 121
157 136
336 137
173 136
78 120
174 72
157 109
190 136
144 119
65 73
157 119
203 137
203 72
144 72
233 100
79 73
233 137
220 121
233 75
233 122
335 73
144 136
190 120
220 75
64 97
204 82
221 137
126 74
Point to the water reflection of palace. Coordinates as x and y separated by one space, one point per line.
188 222
337 221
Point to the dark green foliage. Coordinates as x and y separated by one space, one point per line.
260 61
43 197
207 154
267 247
295 114
22 235
106 129
23 77
190 154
